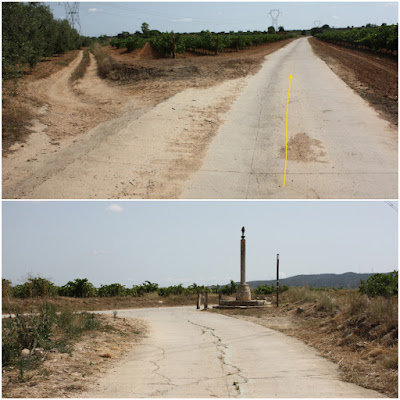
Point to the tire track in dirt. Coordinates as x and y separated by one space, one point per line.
68 111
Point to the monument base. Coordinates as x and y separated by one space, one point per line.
226 304
243 292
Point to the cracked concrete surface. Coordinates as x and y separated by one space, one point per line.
190 353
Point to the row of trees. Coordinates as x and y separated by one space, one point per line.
165 43
376 285
41 287
30 32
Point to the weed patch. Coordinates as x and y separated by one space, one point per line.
80 70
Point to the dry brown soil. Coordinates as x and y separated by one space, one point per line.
373 76
304 149
70 374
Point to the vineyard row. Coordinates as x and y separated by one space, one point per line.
166 44
382 38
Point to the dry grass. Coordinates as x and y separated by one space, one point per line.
357 333
80 70
16 121
69 374
107 303
17 110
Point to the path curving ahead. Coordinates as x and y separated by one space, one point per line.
190 353
339 147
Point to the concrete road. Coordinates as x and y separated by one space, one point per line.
338 145
191 353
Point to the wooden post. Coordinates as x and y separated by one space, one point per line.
216 46
219 297
205 300
237 44
173 47
198 300
277 280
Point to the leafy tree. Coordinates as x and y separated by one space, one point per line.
314 31
78 288
271 29
281 29
145 29
326 26
6 289
380 285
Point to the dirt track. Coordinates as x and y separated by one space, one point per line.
191 353
98 140
121 157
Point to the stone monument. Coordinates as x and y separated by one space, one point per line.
243 294
243 291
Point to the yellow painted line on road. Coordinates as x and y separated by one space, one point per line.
287 114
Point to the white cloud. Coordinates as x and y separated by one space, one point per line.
182 20
114 208
95 10
101 252
335 17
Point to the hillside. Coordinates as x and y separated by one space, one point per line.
346 280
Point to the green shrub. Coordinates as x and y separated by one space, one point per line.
380 285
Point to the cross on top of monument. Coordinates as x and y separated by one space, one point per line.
243 232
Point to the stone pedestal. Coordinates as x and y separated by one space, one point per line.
243 292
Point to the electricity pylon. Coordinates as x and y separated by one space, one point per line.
274 16
72 14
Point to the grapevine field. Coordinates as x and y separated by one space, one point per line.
205 41
381 39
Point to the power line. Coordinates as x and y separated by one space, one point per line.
390 204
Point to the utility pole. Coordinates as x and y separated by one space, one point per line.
277 280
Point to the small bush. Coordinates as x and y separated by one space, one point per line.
380 285
326 303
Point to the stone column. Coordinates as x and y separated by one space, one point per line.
243 259
243 292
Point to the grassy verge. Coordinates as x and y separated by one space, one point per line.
27 337
106 303
59 354
16 121
80 70
358 333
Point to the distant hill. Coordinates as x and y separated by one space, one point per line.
348 280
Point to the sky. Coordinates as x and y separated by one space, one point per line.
172 242
111 18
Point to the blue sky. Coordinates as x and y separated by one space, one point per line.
171 242
111 18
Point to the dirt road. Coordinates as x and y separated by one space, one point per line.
102 142
338 145
191 353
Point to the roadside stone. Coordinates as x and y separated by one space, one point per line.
299 310
25 353
38 350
